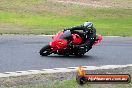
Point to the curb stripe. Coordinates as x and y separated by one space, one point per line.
57 70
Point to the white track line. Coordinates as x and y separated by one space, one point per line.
57 70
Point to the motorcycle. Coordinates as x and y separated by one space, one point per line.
62 42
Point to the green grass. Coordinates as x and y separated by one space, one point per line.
46 17
73 84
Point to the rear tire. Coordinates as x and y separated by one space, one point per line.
45 51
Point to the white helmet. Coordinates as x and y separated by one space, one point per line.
88 24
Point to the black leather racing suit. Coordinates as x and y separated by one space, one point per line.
88 35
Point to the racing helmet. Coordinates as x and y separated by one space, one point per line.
76 39
88 24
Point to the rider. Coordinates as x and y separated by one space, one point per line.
88 35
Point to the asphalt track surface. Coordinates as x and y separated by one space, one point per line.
20 53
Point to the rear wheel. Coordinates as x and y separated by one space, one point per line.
45 51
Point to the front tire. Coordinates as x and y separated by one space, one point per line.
45 51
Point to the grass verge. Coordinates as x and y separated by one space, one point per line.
73 84
49 17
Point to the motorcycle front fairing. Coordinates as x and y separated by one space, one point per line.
60 40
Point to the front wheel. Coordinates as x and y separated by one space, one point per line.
45 51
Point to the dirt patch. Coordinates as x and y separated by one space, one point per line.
126 4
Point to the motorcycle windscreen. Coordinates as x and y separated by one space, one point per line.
66 35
